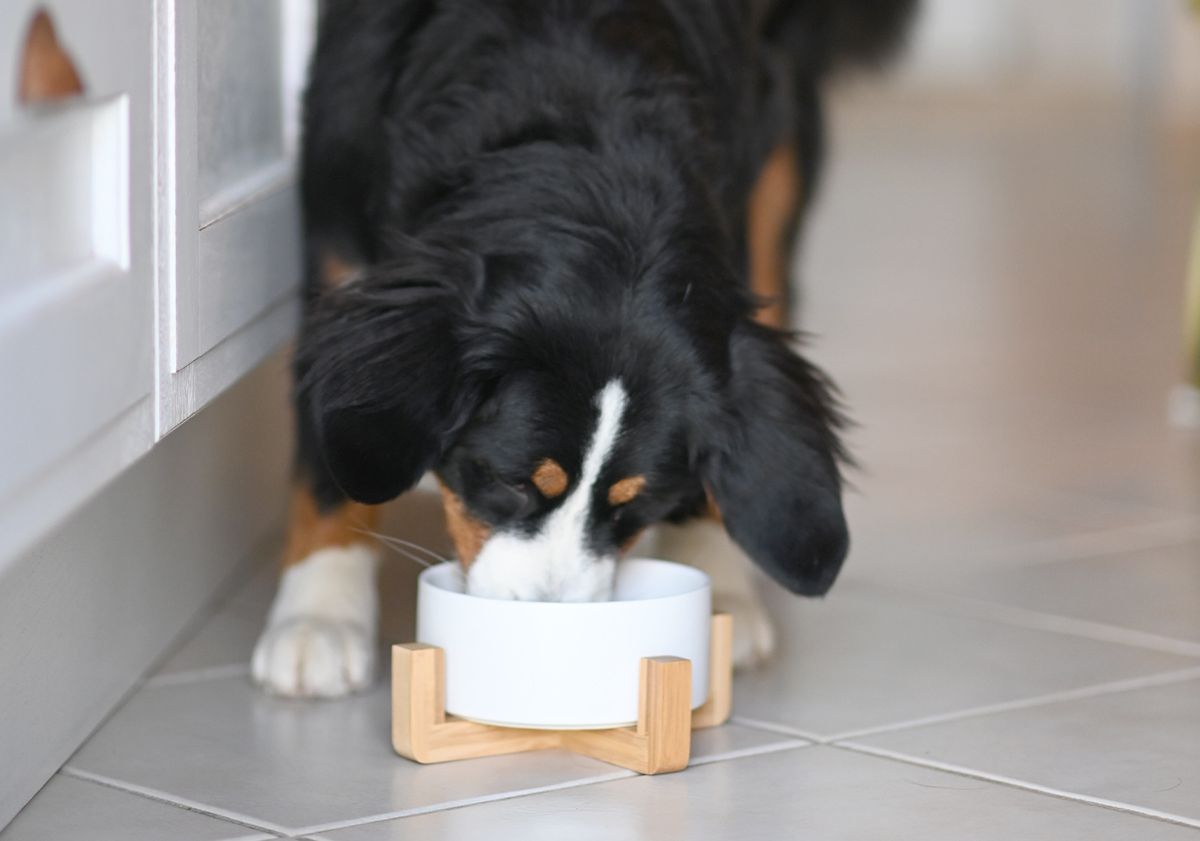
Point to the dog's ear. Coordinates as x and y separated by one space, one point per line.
771 464
378 370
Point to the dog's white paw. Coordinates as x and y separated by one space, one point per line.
319 641
314 657
753 633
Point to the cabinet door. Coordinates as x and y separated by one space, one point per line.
76 260
234 266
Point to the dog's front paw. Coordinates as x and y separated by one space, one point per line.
313 657
320 636
753 632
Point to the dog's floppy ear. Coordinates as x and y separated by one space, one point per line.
772 463
379 371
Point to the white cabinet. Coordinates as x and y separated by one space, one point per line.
234 266
149 237
76 262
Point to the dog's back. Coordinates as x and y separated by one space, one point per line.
406 95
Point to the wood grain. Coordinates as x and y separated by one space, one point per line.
421 730
659 743
717 708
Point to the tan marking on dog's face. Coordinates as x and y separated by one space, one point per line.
310 529
550 478
467 533
625 490
47 72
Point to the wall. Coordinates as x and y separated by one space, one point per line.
1147 50
105 594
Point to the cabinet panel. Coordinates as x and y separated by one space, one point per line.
240 94
65 174
235 257
76 244
249 260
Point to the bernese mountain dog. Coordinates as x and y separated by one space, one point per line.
547 246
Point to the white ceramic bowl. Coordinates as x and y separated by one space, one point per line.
564 664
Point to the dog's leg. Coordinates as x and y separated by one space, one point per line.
771 215
704 544
319 640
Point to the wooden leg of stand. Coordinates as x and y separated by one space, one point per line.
717 708
662 740
420 729
665 713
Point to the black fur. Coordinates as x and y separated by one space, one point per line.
544 196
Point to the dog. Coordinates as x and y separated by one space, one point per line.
546 248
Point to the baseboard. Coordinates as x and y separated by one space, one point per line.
85 612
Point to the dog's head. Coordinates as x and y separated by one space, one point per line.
564 416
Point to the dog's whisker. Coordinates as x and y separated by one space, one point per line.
404 553
402 547
416 546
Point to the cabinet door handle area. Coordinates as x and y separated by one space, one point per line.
47 71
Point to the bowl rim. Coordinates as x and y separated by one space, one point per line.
427 578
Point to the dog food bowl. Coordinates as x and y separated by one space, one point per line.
564 665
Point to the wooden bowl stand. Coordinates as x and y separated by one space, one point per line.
660 741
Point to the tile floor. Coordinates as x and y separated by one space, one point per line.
1014 649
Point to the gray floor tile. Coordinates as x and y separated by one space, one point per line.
67 809
717 743
967 522
862 658
819 793
227 639
1139 747
295 764
1155 590
1149 465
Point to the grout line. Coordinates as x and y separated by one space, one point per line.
783 729
466 801
1104 542
1080 693
172 800
741 753
1084 692
1089 498
973 608
1012 782
197 675
1169 512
